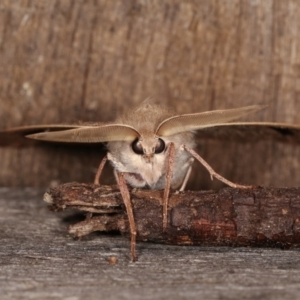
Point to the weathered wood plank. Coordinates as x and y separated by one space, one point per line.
39 260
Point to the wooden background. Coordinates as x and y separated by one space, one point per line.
65 61
88 60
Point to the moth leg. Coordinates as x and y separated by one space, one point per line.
116 176
170 168
99 171
212 172
126 198
187 175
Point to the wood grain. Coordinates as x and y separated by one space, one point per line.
39 260
69 61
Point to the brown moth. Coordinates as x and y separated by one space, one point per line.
152 147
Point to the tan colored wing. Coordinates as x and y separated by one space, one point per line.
252 131
190 122
89 134
16 136
38 128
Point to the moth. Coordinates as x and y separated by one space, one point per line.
152 147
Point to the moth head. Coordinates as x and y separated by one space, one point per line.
148 146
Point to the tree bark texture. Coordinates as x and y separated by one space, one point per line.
69 61
268 217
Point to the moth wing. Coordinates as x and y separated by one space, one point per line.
192 122
89 134
15 135
38 128
252 131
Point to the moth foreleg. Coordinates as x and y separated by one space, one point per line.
99 170
212 171
187 174
169 175
126 198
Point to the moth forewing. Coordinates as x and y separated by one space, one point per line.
253 131
39 128
15 136
90 134
191 122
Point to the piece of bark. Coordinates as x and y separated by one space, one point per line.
257 216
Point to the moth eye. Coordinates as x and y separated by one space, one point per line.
160 146
137 147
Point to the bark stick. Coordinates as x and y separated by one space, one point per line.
257 216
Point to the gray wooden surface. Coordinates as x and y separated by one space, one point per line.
39 260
